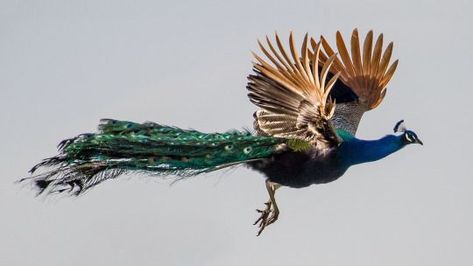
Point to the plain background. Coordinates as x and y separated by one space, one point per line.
66 64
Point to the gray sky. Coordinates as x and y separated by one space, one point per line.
66 64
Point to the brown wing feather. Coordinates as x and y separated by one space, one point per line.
367 73
293 94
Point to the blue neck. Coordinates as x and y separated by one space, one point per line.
356 151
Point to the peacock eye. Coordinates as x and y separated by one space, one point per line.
247 150
409 137
228 147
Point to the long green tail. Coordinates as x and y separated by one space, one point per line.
120 147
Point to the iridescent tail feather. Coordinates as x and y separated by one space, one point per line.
122 147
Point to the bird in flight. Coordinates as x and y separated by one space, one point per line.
310 99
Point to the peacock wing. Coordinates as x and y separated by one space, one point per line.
364 75
293 94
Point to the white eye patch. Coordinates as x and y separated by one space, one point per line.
408 137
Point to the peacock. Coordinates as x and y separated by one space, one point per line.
310 104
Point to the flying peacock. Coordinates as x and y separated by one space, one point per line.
310 104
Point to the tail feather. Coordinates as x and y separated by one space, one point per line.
121 147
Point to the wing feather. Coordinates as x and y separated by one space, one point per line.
293 93
366 71
356 53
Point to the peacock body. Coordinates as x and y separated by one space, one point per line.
302 169
310 107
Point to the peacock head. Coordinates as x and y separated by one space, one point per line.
408 136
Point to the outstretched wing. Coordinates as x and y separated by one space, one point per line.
293 94
365 72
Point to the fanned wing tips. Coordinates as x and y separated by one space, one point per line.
293 91
365 69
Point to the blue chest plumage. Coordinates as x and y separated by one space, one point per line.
355 151
302 169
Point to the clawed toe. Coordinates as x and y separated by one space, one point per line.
268 216
274 216
271 212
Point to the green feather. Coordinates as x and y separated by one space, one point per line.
344 135
122 146
298 145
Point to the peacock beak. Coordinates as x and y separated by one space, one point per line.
420 142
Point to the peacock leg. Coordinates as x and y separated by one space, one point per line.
270 214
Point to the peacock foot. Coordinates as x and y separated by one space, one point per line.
268 216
